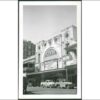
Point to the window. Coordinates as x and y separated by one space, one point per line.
45 44
39 58
55 39
39 47
49 41
66 35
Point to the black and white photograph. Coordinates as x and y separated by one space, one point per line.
50 49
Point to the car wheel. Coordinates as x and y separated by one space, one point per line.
68 87
58 86
50 86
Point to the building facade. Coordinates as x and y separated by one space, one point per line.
56 57
28 49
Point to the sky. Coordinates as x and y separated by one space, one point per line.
39 22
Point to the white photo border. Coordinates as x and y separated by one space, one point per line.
79 66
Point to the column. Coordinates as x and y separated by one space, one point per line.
42 77
66 74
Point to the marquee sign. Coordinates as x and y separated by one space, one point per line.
50 54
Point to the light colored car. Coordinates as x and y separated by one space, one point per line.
64 84
42 84
48 84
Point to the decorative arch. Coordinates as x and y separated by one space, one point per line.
50 54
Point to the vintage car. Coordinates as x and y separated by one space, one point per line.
42 84
64 84
48 84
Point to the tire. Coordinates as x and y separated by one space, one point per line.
50 86
68 87
58 86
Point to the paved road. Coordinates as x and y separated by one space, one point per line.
41 90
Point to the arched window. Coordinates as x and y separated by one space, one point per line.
50 54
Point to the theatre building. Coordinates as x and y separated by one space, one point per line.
55 58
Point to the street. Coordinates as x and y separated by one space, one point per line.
41 90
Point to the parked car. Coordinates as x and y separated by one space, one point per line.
64 84
42 84
48 84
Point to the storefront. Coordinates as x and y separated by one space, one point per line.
54 75
72 74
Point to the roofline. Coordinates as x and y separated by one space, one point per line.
56 34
